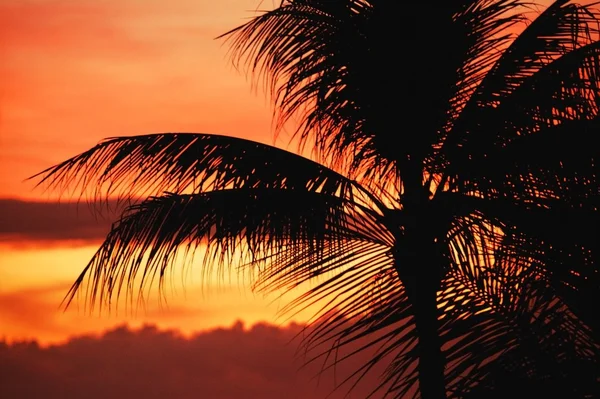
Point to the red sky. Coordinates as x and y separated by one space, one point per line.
77 71
74 72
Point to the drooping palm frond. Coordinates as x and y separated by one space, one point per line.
302 49
533 337
500 314
284 218
525 309
147 165
557 241
247 225
562 27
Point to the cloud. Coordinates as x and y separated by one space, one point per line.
259 362
49 222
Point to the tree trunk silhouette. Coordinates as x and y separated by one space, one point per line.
431 359
420 265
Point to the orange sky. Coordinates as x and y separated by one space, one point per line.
77 71
74 72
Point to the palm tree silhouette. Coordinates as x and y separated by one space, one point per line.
452 215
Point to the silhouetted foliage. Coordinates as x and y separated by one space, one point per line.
454 205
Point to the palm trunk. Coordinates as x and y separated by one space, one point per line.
431 359
420 264
422 289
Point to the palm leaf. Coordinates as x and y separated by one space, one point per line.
252 225
548 76
506 318
566 257
330 62
140 166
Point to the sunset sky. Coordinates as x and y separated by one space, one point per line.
77 71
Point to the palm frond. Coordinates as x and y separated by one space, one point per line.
306 50
140 166
502 313
548 76
554 164
562 27
558 242
329 62
538 342
320 237
246 225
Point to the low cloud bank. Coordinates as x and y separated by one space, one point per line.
259 362
53 222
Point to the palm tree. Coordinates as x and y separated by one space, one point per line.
451 214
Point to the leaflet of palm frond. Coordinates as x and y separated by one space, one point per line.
554 164
539 160
556 242
146 165
332 64
236 225
555 54
531 333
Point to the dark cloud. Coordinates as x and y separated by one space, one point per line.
260 362
48 222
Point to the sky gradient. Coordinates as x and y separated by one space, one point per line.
75 72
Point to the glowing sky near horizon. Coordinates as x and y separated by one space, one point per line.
77 71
